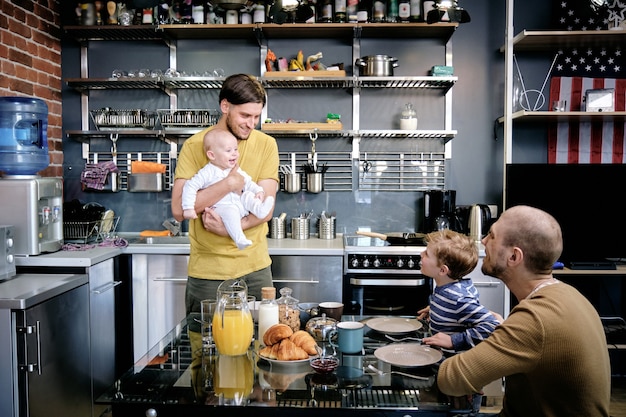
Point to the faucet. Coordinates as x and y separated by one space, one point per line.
173 226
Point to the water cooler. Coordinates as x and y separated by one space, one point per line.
31 204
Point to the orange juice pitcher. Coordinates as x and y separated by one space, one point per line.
233 327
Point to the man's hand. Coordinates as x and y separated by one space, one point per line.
213 223
439 339
235 180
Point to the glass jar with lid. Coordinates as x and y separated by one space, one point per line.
288 311
408 118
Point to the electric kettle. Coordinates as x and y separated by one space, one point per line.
479 220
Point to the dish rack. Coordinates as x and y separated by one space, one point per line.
92 231
133 119
187 118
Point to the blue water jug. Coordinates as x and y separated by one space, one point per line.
23 135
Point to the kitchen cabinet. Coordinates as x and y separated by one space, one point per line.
103 342
158 298
400 173
44 362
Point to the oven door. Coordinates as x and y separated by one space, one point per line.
386 295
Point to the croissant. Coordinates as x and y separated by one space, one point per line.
276 333
270 352
304 340
288 351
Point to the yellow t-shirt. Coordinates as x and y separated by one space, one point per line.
217 257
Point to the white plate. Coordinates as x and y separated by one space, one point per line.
393 325
285 363
408 355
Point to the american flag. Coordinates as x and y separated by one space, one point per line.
586 142
575 71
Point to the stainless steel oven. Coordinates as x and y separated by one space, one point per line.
382 279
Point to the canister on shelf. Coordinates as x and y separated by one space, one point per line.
408 118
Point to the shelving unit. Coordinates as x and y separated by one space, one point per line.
170 34
545 41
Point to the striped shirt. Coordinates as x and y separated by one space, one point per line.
455 310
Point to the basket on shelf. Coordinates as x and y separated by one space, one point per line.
90 231
187 118
132 119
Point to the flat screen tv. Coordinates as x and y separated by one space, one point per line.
586 199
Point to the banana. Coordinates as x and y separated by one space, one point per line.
300 58
294 65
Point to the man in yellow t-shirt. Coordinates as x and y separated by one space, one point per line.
213 256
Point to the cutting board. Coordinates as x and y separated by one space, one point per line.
300 126
311 74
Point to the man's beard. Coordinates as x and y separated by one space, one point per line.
232 128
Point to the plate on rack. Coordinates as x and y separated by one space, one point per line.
408 355
393 325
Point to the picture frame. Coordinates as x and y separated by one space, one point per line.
600 100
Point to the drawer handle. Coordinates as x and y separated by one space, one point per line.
106 287
172 279
387 282
302 281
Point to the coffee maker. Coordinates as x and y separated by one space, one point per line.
34 206
439 211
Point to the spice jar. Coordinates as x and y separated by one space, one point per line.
288 311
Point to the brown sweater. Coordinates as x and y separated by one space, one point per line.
552 352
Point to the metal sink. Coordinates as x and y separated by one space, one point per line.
161 240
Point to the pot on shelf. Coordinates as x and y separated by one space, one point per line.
376 65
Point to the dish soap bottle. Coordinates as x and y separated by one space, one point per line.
268 310
408 119
288 311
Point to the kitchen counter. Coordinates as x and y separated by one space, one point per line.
76 258
26 290
312 246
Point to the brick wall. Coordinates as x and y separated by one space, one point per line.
30 63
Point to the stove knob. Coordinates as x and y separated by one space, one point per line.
376 263
400 263
354 263
9 242
411 263
366 263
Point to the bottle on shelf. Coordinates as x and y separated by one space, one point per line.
326 12
259 13
392 11
363 11
379 11
352 9
404 10
416 11
340 11
268 310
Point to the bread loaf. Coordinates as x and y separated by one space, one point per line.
276 333
304 340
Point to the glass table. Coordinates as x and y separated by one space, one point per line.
168 382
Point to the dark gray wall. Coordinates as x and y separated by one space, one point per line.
474 171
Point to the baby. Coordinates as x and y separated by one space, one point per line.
221 149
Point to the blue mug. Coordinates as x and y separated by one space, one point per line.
349 337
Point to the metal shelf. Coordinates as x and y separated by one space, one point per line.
526 116
299 81
548 40
442 31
